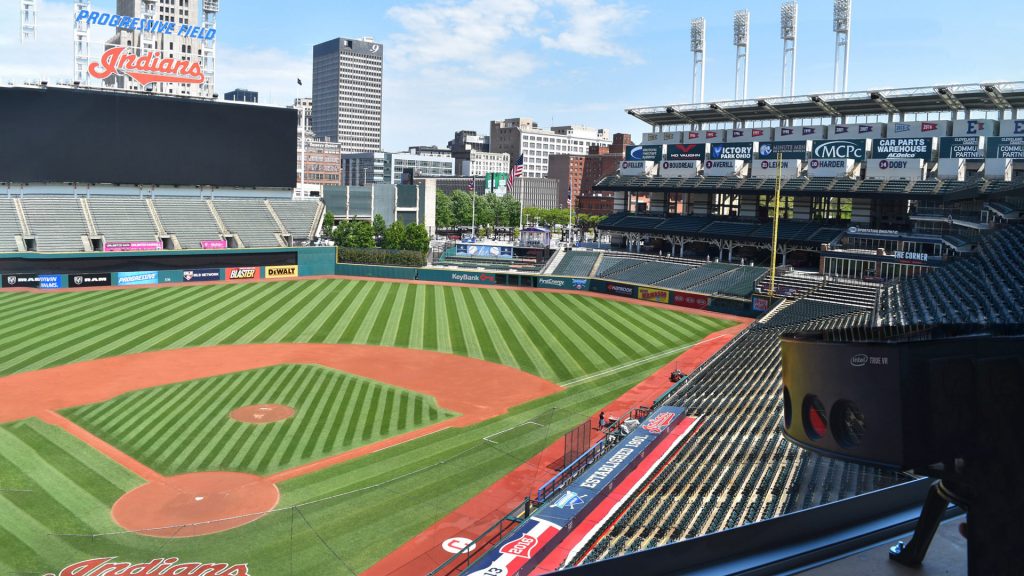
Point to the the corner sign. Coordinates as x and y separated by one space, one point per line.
146 68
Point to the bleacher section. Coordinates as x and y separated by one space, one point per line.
189 219
984 288
122 219
57 223
736 468
738 282
9 226
576 263
250 221
791 231
297 216
694 276
649 273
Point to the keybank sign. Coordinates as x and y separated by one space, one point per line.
839 149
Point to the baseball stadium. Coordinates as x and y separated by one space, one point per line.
802 342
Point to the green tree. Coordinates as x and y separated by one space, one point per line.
394 236
327 227
444 218
361 235
462 208
341 233
416 238
486 208
507 211
379 226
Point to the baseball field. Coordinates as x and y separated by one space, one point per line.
106 392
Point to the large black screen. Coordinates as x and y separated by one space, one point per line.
96 137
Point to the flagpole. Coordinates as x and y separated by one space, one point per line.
302 140
570 212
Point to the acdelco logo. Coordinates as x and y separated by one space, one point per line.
858 360
523 547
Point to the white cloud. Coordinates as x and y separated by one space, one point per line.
593 28
269 71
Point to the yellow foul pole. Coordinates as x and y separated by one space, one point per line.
775 224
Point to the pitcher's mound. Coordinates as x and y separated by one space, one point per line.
262 413
195 504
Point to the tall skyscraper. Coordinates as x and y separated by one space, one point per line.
347 92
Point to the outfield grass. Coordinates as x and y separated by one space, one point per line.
361 509
181 428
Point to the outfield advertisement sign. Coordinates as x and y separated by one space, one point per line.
839 149
524 548
201 275
21 281
796 150
686 151
51 281
137 278
903 148
653 295
613 288
290 271
645 153
732 151
132 246
760 303
484 251
244 273
1010 147
962 147
213 244
688 300
87 279
458 276
561 283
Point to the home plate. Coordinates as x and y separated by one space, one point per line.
199 498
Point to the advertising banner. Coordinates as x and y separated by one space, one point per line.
732 151
51 281
839 149
245 273
290 271
483 251
645 153
613 288
677 168
760 303
974 127
20 281
132 246
662 138
87 279
795 150
925 129
201 275
137 278
846 131
829 168
1011 128
686 151
635 168
704 136
723 167
653 295
749 134
903 148
688 300
213 244
561 283
909 168
784 133
769 168
963 147
1011 147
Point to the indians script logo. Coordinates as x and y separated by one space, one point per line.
523 547
147 68
659 422
163 566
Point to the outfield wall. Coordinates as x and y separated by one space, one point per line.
54 271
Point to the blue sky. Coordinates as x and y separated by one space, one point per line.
457 64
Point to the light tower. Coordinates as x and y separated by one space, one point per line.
28 20
841 26
789 48
697 29
208 51
81 50
741 39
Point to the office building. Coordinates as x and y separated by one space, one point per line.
320 165
362 168
242 95
581 172
567 169
305 108
406 203
348 92
536 192
517 136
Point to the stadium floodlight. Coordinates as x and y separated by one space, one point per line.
697 29
841 10
788 34
28 20
741 39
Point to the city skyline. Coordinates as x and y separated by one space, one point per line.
459 64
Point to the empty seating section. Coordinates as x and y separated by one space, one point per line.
9 226
57 224
808 232
806 310
870 185
684 224
986 288
649 273
250 220
736 468
739 282
790 285
189 219
612 265
297 216
727 228
694 276
894 186
576 263
122 219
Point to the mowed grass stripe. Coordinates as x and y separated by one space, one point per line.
193 431
330 323
396 333
560 348
280 322
356 317
305 326
584 344
514 344
389 308
471 333
493 344
456 320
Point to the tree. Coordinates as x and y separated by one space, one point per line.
462 208
507 211
394 236
486 208
328 224
416 238
341 233
444 217
379 226
361 235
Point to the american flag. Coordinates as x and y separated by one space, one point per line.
517 171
